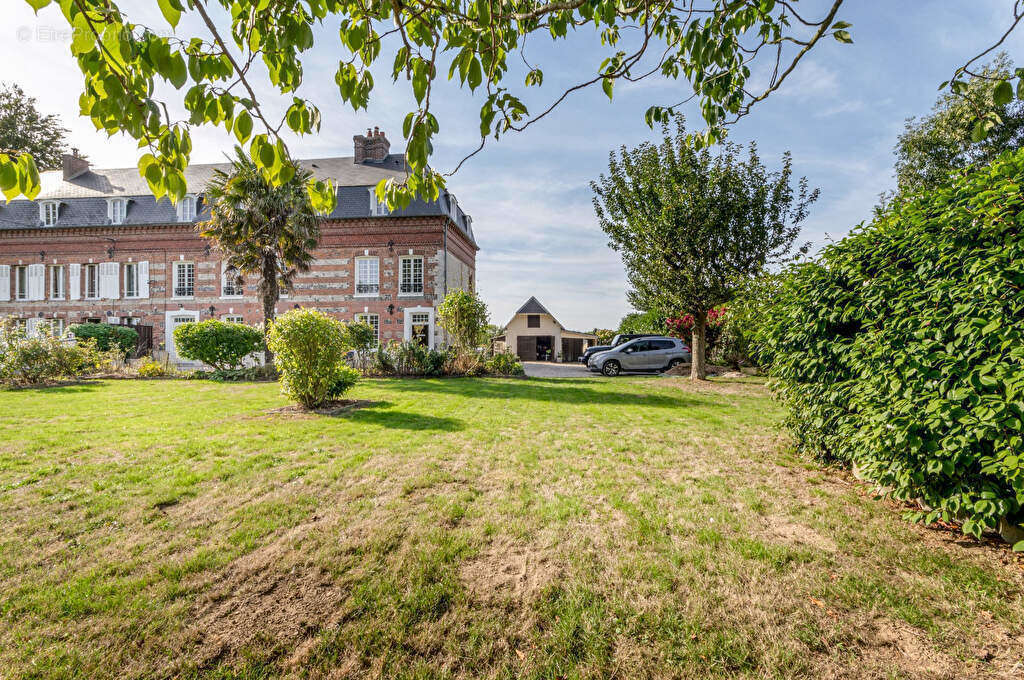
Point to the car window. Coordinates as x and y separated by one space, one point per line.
662 344
640 346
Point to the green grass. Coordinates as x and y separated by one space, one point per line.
482 528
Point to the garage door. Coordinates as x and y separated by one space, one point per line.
572 349
526 347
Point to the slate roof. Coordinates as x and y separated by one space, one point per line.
84 198
533 306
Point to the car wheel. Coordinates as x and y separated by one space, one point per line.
611 368
672 364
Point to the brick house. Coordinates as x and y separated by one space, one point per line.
95 246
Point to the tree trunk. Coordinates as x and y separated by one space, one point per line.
698 353
268 286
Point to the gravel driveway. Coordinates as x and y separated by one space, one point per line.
546 369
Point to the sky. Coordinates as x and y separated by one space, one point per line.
840 114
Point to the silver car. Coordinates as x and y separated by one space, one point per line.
643 354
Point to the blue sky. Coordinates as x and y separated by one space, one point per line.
839 114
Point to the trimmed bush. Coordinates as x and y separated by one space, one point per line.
108 336
309 352
151 368
901 349
505 363
220 344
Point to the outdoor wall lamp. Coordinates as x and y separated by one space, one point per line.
391 247
206 250
212 310
42 255
391 309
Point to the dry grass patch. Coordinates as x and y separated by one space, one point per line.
479 528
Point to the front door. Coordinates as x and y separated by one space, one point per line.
173 320
419 325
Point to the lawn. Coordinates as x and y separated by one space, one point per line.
467 528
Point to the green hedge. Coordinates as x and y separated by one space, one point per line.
309 351
108 335
901 349
221 344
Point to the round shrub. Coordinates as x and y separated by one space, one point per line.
901 349
505 363
309 352
108 336
220 344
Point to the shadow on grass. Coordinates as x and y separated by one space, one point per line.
553 390
400 420
55 388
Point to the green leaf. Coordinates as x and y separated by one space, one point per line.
607 84
38 4
979 132
243 126
1018 546
475 75
843 37
171 11
1003 93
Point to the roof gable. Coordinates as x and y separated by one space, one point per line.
533 306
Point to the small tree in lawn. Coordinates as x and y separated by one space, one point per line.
464 316
262 229
693 224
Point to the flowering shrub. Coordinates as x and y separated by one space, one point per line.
32 361
151 368
309 351
901 349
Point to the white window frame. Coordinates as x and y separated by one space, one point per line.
20 281
94 269
224 284
364 317
181 264
117 209
234 318
376 283
409 313
131 275
188 215
57 277
412 273
49 213
377 208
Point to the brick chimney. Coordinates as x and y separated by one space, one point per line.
74 165
374 147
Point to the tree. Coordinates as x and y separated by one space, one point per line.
943 142
219 67
652 321
23 130
691 225
262 229
604 335
463 315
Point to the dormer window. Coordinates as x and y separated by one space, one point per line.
377 208
48 212
187 208
116 209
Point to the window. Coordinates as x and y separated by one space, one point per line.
411 276
116 208
236 318
533 320
54 327
184 279
187 209
92 281
231 284
662 344
373 321
57 282
131 280
48 212
377 208
21 282
367 276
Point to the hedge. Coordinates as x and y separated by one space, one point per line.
901 349
108 335
221 344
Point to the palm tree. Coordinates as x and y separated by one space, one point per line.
265 230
